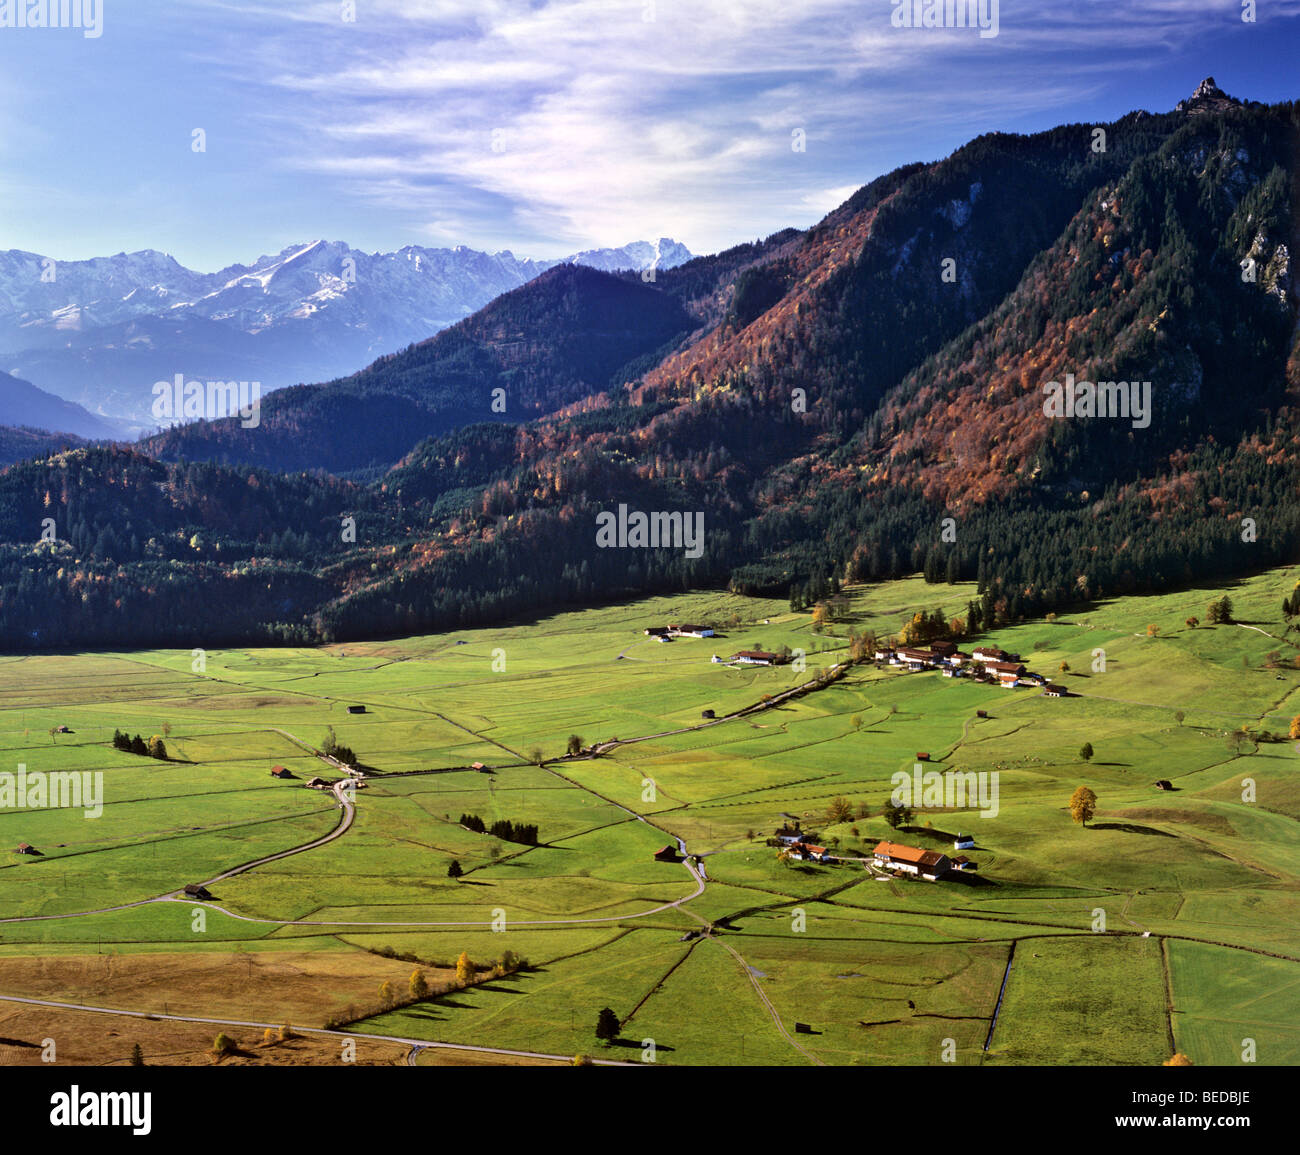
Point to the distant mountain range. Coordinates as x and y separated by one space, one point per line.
866 398
101 332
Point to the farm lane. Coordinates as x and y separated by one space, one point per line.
417 1044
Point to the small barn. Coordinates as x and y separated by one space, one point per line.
1164 784
666 854
356 709
281 772
194 890
964 842
27 848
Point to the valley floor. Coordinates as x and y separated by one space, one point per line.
1166 924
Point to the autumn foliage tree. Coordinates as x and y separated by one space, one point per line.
840 810
1083 805
464 968
1220 611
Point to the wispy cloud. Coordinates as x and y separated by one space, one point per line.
554 124
596 120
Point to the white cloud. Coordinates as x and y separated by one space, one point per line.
608 126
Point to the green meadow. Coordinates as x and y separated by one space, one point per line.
1167 923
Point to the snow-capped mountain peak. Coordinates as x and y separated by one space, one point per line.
101 331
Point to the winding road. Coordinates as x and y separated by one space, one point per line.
347 806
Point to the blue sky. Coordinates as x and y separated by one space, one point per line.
545 127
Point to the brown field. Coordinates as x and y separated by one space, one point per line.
88 1039
304 987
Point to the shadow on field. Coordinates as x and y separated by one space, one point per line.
1129 828
632 1045
965 878
498 987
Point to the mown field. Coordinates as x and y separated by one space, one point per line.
1168 923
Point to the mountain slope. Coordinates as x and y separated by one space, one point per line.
564 337
21 403
827 403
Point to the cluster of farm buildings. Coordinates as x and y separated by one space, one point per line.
667 633
930 865
740 658
983 664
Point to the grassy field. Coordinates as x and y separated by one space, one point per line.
1169 921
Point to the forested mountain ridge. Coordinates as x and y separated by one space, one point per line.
568 335
839 404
